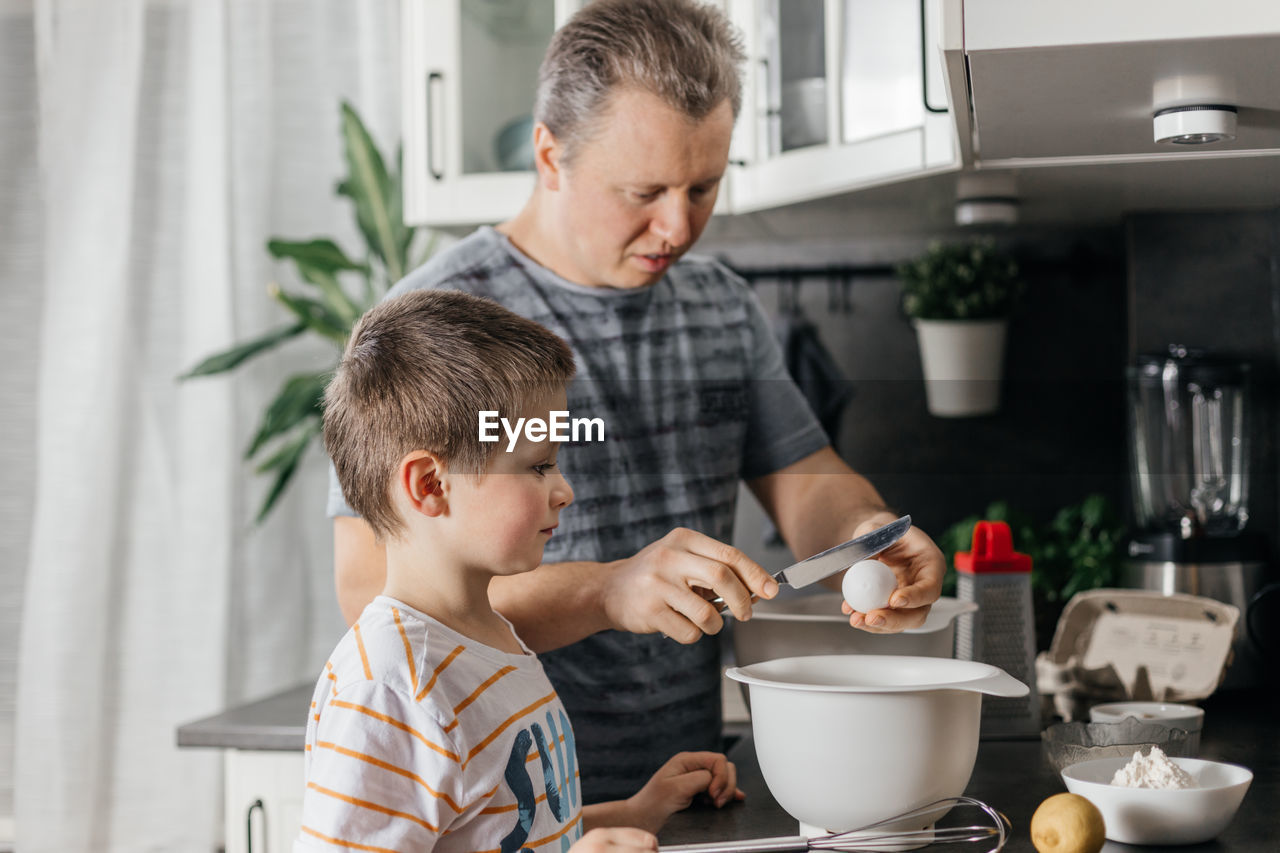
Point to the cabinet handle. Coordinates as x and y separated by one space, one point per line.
432 78
924 64
248 826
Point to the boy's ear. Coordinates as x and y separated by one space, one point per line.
547 153
420 481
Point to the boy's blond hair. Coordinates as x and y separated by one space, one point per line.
417 371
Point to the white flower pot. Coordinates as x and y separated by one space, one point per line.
962 361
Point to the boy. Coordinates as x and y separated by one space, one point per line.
433 726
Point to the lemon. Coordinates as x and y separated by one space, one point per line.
1068 823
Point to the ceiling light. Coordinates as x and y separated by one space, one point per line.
1195 124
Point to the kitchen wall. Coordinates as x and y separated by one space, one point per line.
1212 280
1059 434
1095 296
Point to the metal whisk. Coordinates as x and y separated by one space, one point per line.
870 837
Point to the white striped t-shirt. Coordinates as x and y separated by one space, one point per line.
422 739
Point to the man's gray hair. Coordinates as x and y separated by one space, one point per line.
683 51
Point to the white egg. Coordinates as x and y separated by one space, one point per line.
868 585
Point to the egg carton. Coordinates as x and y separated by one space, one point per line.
1139 645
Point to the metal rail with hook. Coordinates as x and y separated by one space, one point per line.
839 279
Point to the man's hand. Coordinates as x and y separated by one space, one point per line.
616 839
661 588
677 782
919 566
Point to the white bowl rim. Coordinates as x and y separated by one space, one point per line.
1155 711
946 610
1188 764
971 676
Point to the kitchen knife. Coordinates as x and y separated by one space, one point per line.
839 558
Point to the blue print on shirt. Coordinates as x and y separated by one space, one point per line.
522 789
548 774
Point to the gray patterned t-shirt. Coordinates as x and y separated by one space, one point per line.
694 396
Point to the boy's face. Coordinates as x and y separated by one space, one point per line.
506 517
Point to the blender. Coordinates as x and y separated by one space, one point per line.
1189 413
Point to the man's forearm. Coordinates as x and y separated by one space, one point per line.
817 502
554 605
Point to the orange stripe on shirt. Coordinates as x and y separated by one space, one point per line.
378 762
436 672
344 843
364 658
392 721
366 804
568 826
533 753
513 806
505 723
408 650
488 682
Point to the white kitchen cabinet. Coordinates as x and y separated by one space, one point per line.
834 99
1063 85
263 800
469 73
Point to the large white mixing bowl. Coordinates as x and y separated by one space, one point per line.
847 740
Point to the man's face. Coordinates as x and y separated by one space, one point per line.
639 191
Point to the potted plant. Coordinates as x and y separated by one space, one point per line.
959 296
327 305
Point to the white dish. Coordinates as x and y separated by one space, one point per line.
814 625
1151 816
847 740
1172 715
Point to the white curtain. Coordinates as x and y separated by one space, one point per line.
173 138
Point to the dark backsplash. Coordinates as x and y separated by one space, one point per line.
1094 298
1212 280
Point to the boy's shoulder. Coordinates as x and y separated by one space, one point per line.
388 647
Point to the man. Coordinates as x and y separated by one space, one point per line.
635 110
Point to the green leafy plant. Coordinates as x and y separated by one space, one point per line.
1081 547
336 290
960 281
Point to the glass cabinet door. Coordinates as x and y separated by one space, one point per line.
792 74
470 76
502 44
834 99
880 70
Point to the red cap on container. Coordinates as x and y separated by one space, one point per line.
992 551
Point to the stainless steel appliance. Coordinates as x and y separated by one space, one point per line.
1189 421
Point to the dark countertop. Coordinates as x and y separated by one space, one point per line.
1241 727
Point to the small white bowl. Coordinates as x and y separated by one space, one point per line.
1154 816
1189 718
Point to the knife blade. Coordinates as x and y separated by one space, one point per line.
813 569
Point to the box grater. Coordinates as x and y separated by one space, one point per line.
1002 631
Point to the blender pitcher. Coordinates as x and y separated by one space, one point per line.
1189 443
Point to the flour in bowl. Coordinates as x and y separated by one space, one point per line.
1152 771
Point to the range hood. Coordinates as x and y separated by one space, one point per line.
1073 88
